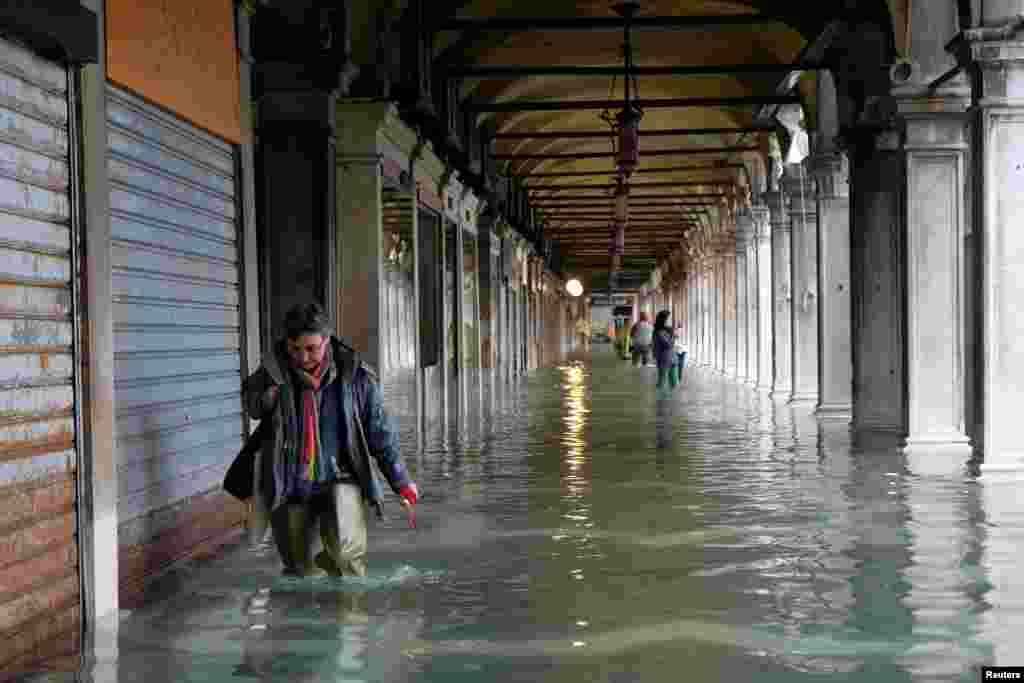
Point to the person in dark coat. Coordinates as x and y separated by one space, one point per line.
664 340
327 422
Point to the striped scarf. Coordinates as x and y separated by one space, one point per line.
309 421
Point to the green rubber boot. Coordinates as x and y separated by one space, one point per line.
294 538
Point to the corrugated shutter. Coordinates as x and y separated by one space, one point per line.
39 583
177 322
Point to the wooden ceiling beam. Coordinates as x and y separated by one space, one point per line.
577 23
682 151
518 105
664 195
510 71
601 134
709 166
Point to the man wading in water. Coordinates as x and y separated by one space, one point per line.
325 421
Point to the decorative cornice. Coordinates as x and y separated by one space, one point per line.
1005 31
831 172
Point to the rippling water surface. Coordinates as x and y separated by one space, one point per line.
593 531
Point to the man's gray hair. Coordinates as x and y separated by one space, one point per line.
306 319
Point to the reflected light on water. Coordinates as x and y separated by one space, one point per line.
574 386
575 480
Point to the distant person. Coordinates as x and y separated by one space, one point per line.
583 334
327 422
664 341
622 335
641 337
680 350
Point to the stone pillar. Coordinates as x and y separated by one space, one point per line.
489 321
360 227
457 367
876 274
696 327
936 149
753 307
763 287
297 161
715 313
711 289
782 318
729 309
740 285
995 49
722 309
835 362
804 267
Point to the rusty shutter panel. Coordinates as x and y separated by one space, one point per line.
39 583
177 331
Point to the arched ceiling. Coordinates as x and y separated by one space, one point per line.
680 167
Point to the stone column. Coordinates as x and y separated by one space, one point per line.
763 287
997 53
753 307
457 369
742 303
782 318
729 309
360 227
489 321
876 274
936 148
714 335
697 333
804 266
725 343
296 133
835 361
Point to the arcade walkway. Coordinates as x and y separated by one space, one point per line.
594 533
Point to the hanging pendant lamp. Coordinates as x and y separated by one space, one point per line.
625 125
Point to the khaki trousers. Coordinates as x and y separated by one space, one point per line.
341 548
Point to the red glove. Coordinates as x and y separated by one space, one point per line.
410 493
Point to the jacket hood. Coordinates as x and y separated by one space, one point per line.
344 357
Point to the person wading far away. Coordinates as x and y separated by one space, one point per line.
641 336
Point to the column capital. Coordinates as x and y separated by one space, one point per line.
797 178
831 173
996 52
761 216
778 217
745 227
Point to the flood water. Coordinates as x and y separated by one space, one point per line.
594 531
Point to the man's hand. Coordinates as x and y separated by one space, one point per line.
410 494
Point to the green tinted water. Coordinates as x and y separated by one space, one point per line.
594 532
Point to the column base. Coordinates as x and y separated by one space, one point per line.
764 387
781 394
803 399
834 411
1004 467
877 438
939 456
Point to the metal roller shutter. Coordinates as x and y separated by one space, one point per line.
40 589
177 328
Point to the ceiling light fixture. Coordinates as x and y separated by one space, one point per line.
625 126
